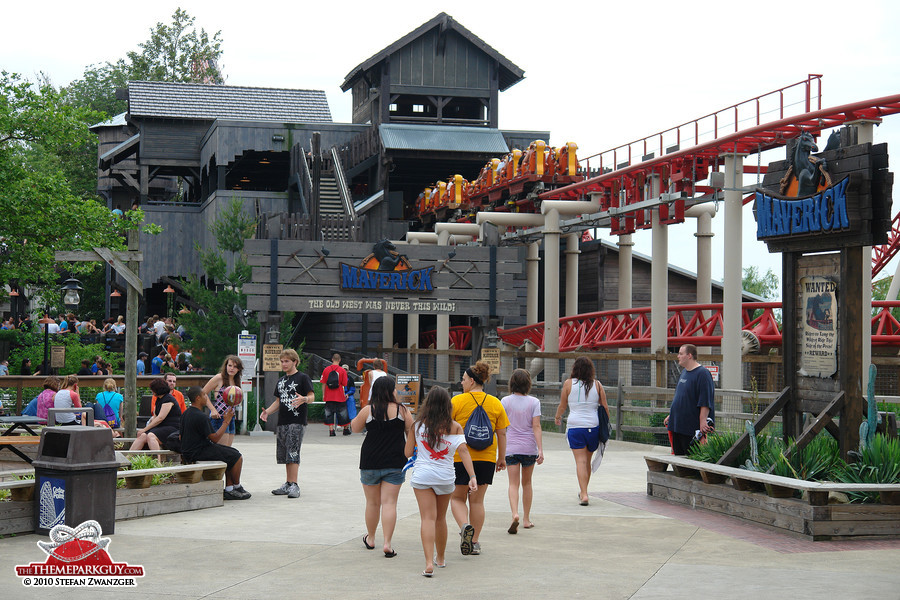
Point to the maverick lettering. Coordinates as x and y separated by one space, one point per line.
824 212
357 278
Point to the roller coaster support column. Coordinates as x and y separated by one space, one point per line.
659 287
552 209
625 275
704 214
412 339
534 264
865 134
443 329
731 305
551 294
387 337
572 253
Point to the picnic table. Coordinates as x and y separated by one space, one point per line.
10 440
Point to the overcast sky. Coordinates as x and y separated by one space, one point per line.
600 74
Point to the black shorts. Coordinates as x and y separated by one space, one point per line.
226 454
484 472
338 409
162 432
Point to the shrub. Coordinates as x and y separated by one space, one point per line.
717 444
879 463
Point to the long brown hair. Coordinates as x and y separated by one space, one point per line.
226 379
435 415
583 370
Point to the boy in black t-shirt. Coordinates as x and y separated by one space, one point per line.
294 391
199 442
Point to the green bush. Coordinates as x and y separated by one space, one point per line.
717 444
879 463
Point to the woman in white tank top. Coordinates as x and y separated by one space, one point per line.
582 394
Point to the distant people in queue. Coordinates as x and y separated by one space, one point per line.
165 421
85 369
582 393
26 368
293 392
386 422
524 445
67 397
228 375
436 439
200 442
467 506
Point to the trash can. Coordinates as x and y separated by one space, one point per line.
75 478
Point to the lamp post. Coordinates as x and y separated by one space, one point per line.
46 323
71 297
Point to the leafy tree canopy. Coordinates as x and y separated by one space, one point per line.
176 52
39 211
766 286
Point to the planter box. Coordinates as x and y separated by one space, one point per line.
771 505
18 517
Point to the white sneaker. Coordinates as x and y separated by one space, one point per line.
293 491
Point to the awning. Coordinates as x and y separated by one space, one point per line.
442 138
123 150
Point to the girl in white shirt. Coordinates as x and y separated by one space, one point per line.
437 438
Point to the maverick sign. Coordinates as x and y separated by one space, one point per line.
380 278
840 198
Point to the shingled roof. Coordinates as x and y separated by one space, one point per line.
157 99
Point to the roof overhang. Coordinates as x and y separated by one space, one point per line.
120 152
442 138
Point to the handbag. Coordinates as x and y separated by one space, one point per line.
478 430
603 418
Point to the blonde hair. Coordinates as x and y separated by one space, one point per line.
109 384
291 354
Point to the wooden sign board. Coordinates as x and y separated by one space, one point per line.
57 357
271 355
492 357
340 277
409 390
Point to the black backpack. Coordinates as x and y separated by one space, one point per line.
334 380
478 430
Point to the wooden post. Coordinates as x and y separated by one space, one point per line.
850 322
131 338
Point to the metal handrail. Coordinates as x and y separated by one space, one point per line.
716 127
342 184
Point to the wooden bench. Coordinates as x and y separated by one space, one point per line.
13 442
21 490
193 473
774 485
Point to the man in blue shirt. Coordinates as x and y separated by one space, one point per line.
141 365
694 401
157 363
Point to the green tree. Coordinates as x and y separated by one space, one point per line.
177 52
214 327
39 211
880 290
766 285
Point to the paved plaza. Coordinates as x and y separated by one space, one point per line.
624 545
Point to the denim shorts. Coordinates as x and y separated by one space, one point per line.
216 423
376 476
526 460
584 437
440 489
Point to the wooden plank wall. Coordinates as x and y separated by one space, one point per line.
459 65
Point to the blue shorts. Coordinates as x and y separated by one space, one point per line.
584 437
216 423
526 460
376 476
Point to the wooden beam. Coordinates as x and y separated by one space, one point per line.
92 256
728 459
121 268
816 426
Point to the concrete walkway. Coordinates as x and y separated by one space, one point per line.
623 545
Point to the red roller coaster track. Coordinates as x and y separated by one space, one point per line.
699 324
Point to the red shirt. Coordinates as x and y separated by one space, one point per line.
336 395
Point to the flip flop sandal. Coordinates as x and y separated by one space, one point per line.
390 554
427 574
514 527
366 544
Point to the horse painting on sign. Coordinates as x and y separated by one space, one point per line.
807 174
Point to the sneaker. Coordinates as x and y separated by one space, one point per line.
465 539
293 491
331 433
347 431
283 490
476 548
235 495
240 488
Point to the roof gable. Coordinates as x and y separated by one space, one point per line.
158 99
510 74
